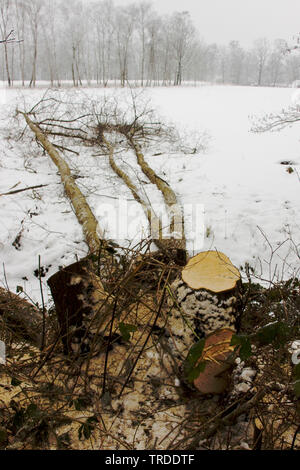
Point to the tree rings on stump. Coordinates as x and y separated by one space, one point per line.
218 357
212 271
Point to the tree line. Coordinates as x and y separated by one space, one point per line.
96 41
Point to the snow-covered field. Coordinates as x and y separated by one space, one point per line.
251 203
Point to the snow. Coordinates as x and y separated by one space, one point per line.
249 201
296 97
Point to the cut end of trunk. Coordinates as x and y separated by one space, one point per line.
217 354
211 270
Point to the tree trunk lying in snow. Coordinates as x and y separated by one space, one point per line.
82 210
174 249
22 317
207 301
175 211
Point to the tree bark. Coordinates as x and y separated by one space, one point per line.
80 303
205 302
164 244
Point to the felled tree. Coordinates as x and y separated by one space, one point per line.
76 294
106 125
82 210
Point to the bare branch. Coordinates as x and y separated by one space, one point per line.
9 39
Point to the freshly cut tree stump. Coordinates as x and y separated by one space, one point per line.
206 299
80 302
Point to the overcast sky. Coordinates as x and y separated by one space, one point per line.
245 20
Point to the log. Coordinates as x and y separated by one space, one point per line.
175 211
21 317
82 210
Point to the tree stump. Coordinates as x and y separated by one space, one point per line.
206 300
80 302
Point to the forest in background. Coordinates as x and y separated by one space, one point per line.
99 42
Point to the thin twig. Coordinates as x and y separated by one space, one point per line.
109 344
43 307
24 189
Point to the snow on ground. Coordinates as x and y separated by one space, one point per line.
238 182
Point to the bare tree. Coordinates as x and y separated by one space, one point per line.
19 12
6 33
51 33
276 61
223 63
235 62
154 34
183 34
103 18
144 12
165 53
125 24
34 12
75 38
260 52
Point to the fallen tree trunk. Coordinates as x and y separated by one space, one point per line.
166 245
73 285
175 211
22 317
82 210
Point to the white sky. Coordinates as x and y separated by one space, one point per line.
245 20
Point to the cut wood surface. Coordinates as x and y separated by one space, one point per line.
216 355
207 299
211 270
